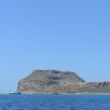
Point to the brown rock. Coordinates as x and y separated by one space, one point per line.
50 81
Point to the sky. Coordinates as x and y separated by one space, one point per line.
67 35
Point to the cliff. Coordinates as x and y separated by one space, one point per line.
50 81
54 81
95 87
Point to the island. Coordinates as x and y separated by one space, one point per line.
59 82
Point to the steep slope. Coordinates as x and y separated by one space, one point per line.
50 81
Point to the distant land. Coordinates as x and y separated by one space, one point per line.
59 82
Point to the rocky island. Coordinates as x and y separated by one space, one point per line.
55 82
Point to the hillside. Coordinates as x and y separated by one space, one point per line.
54 81
50 81
95 87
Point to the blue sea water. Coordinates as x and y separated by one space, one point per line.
54 102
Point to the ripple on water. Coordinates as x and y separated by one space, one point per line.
54 102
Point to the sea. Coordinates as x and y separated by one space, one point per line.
54 102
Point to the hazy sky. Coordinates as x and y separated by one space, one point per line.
69 35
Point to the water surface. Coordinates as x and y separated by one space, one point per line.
54 102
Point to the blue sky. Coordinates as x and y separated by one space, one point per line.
69 35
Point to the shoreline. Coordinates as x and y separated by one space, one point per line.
45 93
62 94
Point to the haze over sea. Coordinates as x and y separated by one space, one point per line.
54 102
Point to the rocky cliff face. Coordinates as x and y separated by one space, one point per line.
95 87
50 81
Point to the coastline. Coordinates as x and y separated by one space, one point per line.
54 93
65 94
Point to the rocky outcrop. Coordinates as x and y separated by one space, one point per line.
50 81
95 87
